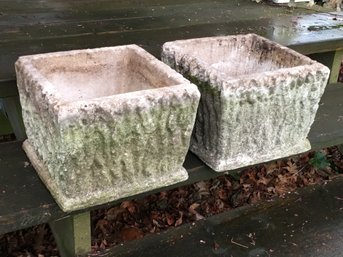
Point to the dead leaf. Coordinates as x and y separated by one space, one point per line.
113 213
192 210
102 226
220 205
271 167
271 189
170 219
193 206
179 221
292 167
263 180
246 187
163 195
131 233
129 205
221 194
103 244
156 223
228 183
201 186
255 197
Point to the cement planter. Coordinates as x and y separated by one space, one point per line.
106 123
258 98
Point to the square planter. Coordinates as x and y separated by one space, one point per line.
258 98
104 124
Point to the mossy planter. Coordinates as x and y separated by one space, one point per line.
104 124
258 98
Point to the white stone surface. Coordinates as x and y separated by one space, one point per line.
106 123
258 98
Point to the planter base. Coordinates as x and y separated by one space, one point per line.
243 160
99 197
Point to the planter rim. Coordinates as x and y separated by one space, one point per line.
67 108
226 81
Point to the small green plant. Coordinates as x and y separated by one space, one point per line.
319 161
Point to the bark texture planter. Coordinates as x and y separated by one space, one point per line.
106 123
258 98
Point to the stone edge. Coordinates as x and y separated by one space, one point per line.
233 164
71 204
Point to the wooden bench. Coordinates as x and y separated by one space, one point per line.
32 26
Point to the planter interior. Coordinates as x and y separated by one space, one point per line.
106 123
258 98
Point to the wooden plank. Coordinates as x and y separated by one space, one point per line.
64 25
26 13
333 60
315 33
336 66
25 201
80 21
151 40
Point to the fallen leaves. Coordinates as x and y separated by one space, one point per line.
205 198
35 241
133 219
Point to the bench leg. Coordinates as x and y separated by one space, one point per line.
73 234
335 69
331 59
13 111
335 66
5 126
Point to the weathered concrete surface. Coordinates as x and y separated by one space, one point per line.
258 98
105 123
308 223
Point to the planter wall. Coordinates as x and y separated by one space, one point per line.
106 123
258 98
